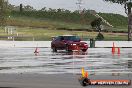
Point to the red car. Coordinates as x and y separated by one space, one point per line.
68 43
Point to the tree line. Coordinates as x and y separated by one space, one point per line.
69 16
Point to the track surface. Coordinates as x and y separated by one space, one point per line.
21 68
95 60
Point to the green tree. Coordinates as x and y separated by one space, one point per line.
127 6
3 12
97 24
43 9
99 36
28 8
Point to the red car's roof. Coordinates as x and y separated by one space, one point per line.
67 35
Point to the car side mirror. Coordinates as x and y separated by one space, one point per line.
53 37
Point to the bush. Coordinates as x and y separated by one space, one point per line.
100 37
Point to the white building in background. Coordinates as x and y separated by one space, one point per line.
10 29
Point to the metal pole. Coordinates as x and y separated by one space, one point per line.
81 10
129 22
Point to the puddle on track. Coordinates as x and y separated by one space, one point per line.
95 60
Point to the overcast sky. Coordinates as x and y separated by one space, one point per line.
98 5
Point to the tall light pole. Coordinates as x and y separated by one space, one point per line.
80 9
128 6
79 3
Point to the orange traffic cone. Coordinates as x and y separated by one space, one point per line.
83 72
86 74
113 48
118 50
36 50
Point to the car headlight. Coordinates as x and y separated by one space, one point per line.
74 44
85 44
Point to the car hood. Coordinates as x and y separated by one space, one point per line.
75 42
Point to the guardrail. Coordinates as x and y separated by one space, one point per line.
28 44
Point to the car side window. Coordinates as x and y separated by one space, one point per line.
61 38
58 38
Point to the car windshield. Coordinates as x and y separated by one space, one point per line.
72 38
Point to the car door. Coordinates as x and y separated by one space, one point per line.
57 42
61 43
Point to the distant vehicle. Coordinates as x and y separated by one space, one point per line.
68 43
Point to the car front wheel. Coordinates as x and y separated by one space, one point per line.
67 48
84 50
54 49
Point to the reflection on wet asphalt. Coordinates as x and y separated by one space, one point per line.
95 60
